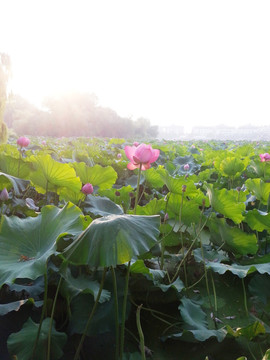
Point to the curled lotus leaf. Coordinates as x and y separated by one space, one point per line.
114 239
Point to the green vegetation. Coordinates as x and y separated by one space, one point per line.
169 262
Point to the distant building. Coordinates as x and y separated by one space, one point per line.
172 132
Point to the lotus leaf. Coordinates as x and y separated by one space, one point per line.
27 335
26 244
115 239
50 175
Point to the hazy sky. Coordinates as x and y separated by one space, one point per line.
174 62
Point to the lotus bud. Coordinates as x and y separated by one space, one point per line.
186 167
4 195
117 193
184 188
136 143
87 189
238 188
131 195
119 156
43 142
23 141
166 217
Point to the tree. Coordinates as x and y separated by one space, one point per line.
5 66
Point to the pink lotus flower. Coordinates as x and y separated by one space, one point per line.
265 157
186 167
136 143
87 189
23 141
119 156
143 156
43 142
4 195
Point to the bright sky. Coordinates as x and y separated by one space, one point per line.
183 62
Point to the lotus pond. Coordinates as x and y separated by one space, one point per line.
109 250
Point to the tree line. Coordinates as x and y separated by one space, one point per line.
72 114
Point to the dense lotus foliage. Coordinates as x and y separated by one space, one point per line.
101 260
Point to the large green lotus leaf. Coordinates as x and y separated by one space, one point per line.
259 169
69 195
14 166
226 202
232 238
104 317
244 150
195 323
26 244
258 220
154 207
72 286
133 180
249 332
157 276
179 163
50 175
101 206
13 306
8 181
190 210
103 177
122 199
259 188
205 174
192 313
233 166
115 239
153 177
21 344
175 185
240 270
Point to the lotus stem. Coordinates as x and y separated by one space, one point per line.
163 237
124 309
141 336
181 234
187 253
116 310
245 296
214 291
42 312
138 189
77 354
206 277
19 163
52 314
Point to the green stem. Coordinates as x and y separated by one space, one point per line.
51 321
163 237
138 189
214 290
124 309
206 277
187 253
116 310
141 336
42 313
91 315
181 236
19 164
245 296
